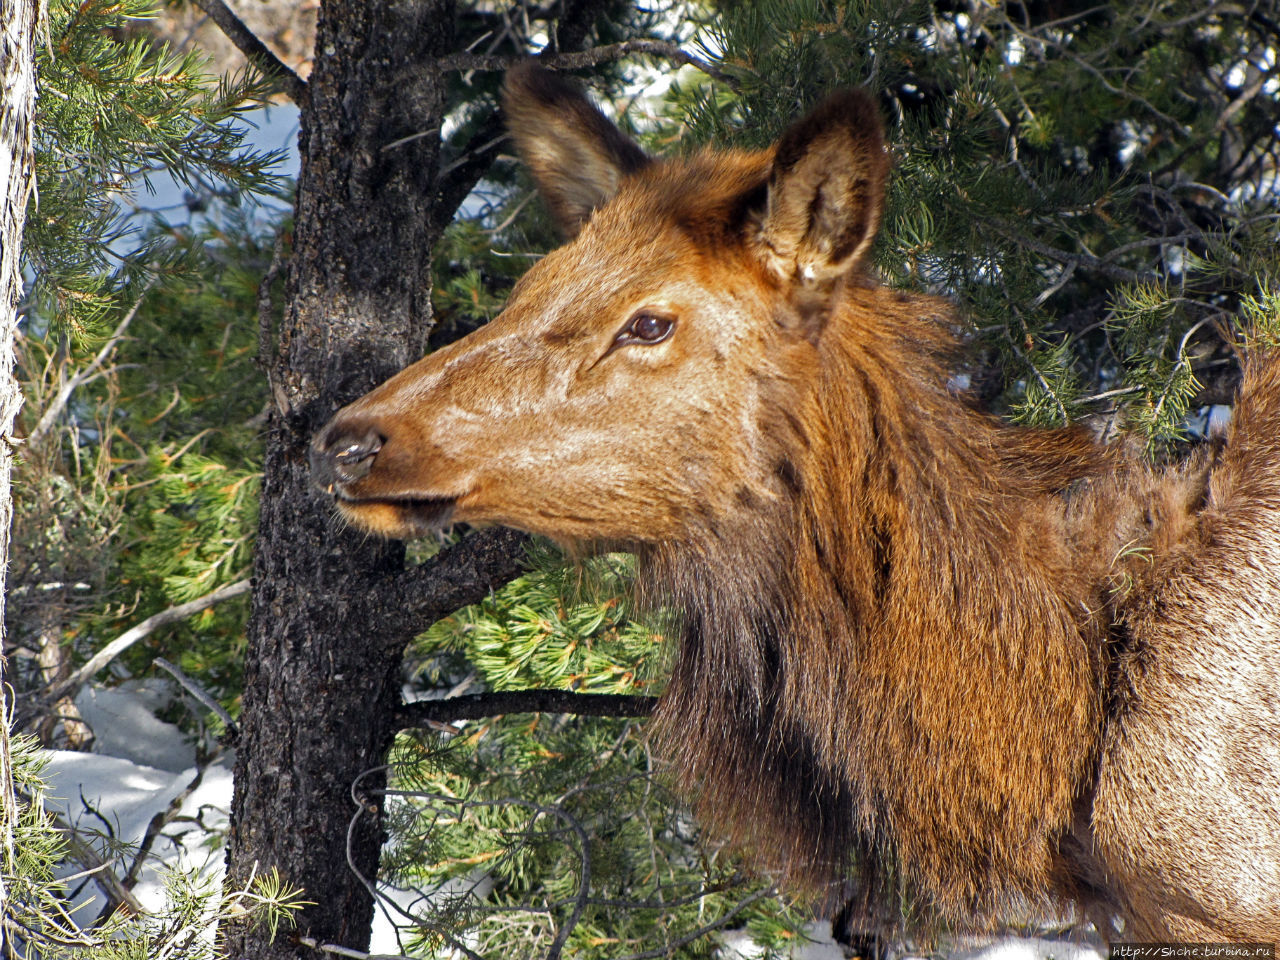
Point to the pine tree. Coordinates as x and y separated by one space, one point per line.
112 114
17 71
330 617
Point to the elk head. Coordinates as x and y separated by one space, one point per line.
635 386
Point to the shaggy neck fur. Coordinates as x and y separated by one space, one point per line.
900 660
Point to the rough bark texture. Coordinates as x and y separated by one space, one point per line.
332 611
321 679
18 27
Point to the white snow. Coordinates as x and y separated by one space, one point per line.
124 725
139 765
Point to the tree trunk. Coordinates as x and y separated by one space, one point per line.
321 678
19 22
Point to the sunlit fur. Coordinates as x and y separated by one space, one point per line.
941 667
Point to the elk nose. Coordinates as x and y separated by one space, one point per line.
343 453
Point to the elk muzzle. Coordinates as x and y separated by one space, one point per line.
343 453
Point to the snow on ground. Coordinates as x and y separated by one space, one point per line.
739 946
140 764
124 725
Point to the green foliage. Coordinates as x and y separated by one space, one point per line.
148 493
1040 167
138 485
477 264
561 626
1095 192
113 113
1260 316
34 917
190 408
531 827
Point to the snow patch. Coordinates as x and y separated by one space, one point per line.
124 725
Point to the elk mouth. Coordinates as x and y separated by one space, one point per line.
404 518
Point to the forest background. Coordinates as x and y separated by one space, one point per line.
1094 184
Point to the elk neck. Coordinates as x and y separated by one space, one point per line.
905 644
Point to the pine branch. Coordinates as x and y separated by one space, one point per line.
457 577
1099 264
84 853
254 49
574 26
480 705
591 57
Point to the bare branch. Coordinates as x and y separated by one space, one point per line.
253 48
479 705
148 626
162 818
84 853
592 57
59 403
670 948
193 688
473 162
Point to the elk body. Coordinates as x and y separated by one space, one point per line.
976 666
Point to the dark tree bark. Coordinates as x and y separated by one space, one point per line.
331 611
322 675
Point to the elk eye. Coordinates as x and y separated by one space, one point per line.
647 328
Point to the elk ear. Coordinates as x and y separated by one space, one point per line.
577 157
826 191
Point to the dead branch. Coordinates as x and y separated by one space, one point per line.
253 48
201 695
135 633
592 57
458 576
59 402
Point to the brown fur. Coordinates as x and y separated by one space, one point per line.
976 667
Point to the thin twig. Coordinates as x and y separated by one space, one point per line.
1182 362
193 688
1108 394
592 57
254 49
1086 261
85 854
363 808
162 818
54 410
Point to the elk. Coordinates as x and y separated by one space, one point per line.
973 666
